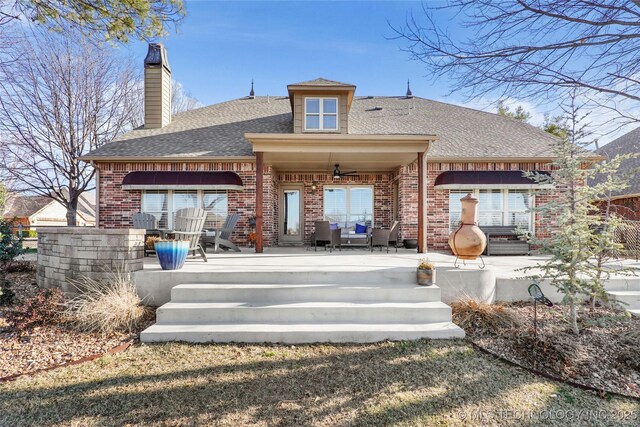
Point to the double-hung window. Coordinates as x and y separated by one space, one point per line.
321 114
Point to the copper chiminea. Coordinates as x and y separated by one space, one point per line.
468 241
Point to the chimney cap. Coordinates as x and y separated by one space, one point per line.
157 55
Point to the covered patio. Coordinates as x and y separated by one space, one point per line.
297 168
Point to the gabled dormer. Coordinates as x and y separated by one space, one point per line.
321 106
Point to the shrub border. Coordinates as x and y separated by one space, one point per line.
600 392
115 350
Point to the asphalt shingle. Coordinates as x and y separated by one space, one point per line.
628 143
218 130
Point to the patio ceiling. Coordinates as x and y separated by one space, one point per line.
320 152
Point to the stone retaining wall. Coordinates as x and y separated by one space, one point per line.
73 252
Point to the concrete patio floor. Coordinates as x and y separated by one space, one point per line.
303 259
501 280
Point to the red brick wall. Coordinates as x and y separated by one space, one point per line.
117 206
628 207
437 209
314 203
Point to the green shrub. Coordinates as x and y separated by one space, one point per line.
106 306
26 234
10 248
7 296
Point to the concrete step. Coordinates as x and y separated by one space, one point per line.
303 312
623 284
155 285
252 293
301 332
629 299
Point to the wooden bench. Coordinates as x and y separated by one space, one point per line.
505 240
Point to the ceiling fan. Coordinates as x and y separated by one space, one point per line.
337 174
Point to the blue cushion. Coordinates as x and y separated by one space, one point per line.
333 226
361 229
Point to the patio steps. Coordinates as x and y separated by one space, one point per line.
629 300
304 313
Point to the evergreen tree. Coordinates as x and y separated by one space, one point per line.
583 238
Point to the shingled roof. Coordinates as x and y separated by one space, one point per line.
628 143
21 206
218 130
321 81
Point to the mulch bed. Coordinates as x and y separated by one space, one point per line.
604 356
46 346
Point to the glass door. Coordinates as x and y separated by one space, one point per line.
291 224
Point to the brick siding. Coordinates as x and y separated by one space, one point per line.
117 206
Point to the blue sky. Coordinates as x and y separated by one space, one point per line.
222 45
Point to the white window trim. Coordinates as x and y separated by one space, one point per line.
170 211
348 188
321 114
505 205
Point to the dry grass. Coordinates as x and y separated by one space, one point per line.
421 383
472 315
106 307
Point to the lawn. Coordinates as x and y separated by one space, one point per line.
407 383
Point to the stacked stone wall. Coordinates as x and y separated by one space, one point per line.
70 253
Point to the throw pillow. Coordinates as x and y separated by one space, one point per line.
361 229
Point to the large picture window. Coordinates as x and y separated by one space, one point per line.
163 204
495 207
348 205
321 114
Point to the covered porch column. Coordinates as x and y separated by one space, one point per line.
422 235
259 200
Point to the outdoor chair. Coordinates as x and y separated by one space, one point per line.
149 223
324 233
221 237
393 234
379 237
188 225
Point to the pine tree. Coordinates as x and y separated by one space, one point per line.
584 238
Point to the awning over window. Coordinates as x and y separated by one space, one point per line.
199 180
462 180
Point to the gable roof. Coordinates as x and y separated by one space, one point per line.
21 205
218 130
628 143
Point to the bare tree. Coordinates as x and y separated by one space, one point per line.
181 99
535 49
60 97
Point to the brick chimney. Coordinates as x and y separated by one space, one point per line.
157 87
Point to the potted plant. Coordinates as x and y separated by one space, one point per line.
171 253
426 273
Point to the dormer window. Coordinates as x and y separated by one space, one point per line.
321 114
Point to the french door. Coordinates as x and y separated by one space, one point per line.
291 224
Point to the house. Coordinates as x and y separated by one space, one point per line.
39 211
626 203
320 152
